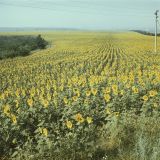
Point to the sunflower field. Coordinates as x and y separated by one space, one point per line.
89 95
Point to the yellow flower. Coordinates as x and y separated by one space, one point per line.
45 103
76 91
135 90
79 118
128 85
2 96
114 87
17 103
75 98
6 109
145 98
122 92
17 93
13 118
115 92
69 124
32 92
107 97
45 132
155 105
116 114
30 102
94 91
65 100
152 93
86 101
88 93
89 120
6 93
78 94
108 111
107 90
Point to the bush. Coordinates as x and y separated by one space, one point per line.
12 46
41 43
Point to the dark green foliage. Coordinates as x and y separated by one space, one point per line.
13 46
41 43
145 33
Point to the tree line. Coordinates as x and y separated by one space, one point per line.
13 46
145 33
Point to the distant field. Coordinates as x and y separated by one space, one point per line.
91 95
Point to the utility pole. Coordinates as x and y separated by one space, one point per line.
156 19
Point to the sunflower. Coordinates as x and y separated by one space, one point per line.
45 103
65 100
108 111
89 120
6 109
45 132
145 98
30 102
17 103
107 97
135 90
114 87
75 98
107 90
69 124
13 118
152 93
79 118
155 105
88 93
94 91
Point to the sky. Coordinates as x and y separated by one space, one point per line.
80 14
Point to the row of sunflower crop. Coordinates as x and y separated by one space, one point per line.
75 85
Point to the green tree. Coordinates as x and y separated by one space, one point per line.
41 43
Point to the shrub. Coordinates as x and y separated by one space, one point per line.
12 46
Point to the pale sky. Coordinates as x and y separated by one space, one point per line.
79 14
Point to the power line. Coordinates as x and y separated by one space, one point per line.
83 5
38 7
89 5
70 10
